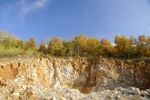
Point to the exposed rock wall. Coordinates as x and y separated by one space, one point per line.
58 78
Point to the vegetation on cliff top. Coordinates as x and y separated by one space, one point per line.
81 45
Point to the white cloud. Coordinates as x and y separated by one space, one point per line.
28 7
21 8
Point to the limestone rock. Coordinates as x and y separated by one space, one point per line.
39 78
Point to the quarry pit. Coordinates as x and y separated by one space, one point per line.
41 78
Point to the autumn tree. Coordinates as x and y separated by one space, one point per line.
143 46
30 44
132 50
93 48
80 45
42 48
107 48
125 47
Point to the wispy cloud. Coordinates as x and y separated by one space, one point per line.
28 7
21 8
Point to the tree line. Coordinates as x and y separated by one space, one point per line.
79 46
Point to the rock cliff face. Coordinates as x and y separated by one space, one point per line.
39 78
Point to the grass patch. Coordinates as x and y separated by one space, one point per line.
10 52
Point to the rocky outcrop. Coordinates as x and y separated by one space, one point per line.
39 78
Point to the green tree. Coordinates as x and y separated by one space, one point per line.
9 41
68 46
56 47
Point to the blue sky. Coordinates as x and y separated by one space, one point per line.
42 19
